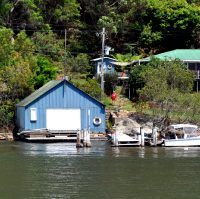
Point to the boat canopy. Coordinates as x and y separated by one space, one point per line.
186 128
179 126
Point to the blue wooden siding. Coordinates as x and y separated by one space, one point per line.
107 63
20 117
63 96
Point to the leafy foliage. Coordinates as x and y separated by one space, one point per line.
111 80
90 86
6 46
48 44
35 49
136 80
44 72
166 84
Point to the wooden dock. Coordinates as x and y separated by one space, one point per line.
44 135
123 140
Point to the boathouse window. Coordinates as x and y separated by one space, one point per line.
33 114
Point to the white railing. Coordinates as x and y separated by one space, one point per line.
197 74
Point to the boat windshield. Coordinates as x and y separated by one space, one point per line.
189 130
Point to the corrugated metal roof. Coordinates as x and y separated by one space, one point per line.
35 95
41 91
182 54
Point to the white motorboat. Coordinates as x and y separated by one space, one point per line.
182 135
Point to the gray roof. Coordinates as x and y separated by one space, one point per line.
41 91
38 93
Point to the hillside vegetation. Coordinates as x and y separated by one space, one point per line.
41 40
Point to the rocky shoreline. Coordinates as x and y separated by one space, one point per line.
6 136
131 123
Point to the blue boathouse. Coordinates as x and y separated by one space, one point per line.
60 106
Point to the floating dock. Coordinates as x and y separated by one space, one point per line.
123 140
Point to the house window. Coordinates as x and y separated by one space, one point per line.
33 114
191 66
99 67
198 66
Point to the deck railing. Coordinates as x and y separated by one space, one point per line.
197 74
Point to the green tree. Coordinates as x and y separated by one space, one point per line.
81 64
24 45
16 78
90 86
32 14
5 7
166 83
111 80
166 21
48 44
6 45
44 72
135 78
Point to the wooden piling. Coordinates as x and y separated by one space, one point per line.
154 137
86 139
88 143
142 136
115 140
78 141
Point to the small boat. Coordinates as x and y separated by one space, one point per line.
182 135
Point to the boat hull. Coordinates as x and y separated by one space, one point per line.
182 142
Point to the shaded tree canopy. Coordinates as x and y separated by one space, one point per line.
41 38
166 84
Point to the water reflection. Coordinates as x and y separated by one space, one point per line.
57 149
62 149
60 170
99 148
156 152
186 152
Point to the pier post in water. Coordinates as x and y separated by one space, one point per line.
78 141
154 137
88 143
115 139
142 136
84 138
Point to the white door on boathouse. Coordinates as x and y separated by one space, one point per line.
63 119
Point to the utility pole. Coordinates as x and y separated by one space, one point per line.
102 60
65 55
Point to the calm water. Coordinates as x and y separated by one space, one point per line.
48 171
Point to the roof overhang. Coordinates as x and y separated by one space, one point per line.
122 63
100 58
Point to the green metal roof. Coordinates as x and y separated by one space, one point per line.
39 92
182 54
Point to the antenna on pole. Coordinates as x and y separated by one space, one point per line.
102 60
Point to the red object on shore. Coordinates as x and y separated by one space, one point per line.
113 96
